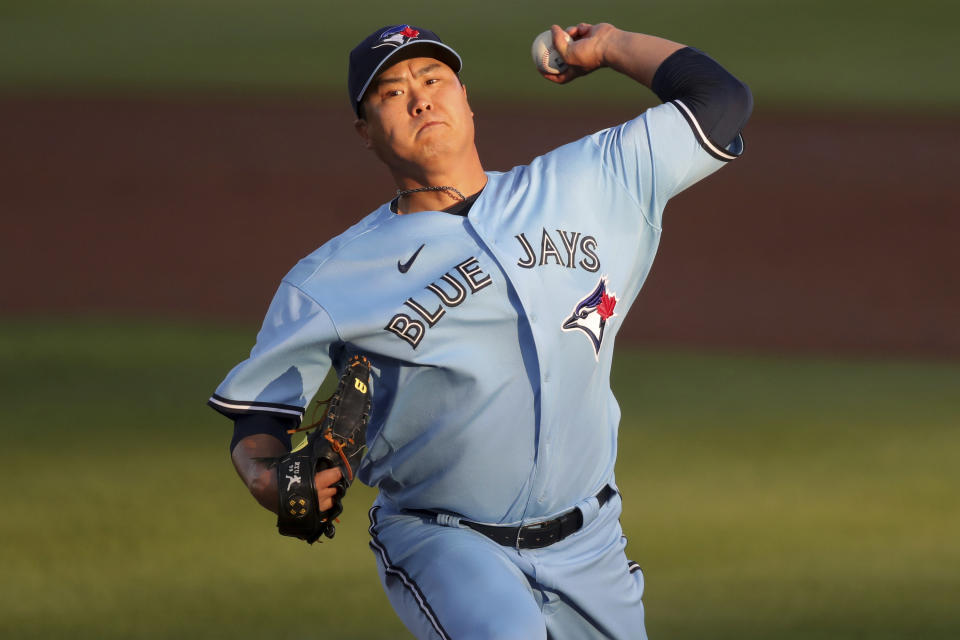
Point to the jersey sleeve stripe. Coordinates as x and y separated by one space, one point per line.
232 408
708 146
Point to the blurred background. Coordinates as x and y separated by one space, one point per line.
788 376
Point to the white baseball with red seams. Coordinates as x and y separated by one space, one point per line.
545 55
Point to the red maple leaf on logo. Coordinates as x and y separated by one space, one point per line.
607 303
410 33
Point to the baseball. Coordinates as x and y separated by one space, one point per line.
545 56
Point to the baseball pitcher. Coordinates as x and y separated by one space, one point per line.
472 319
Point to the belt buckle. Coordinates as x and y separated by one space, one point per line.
547 533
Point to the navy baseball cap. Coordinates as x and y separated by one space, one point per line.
384 44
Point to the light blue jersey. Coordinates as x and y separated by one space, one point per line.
491 340
491 336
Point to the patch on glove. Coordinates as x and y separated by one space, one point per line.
339 441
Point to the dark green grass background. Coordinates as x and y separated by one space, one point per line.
765 497
798 54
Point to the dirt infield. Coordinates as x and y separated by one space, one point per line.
831 234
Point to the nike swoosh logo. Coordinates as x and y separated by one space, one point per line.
405 266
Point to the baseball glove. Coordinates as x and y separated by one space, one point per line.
338 442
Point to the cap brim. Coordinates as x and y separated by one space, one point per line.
437 50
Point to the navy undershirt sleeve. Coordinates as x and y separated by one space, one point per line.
254 423
720 103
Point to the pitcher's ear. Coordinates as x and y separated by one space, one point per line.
360 126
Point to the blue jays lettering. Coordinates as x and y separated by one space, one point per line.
590 313
449 291
571 241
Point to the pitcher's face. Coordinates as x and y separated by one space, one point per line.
416 113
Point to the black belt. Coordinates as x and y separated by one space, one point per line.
540 534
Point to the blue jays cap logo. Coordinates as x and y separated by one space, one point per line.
590 314
397 36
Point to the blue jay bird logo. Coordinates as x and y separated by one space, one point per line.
590 315
396 36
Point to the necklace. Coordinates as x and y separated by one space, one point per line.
404 192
